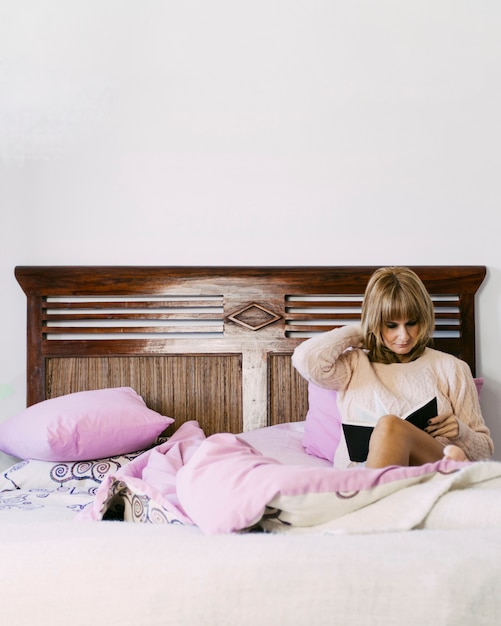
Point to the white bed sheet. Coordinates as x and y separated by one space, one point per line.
129 574
40 505
283 442
111 572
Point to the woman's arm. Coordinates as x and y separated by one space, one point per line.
472 434
321 359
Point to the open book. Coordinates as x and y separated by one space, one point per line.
357 435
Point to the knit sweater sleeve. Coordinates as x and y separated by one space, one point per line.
323 360
474 436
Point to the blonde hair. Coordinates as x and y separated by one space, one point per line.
395 293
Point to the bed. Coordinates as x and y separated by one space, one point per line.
168 468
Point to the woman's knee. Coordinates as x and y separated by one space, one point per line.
389 443
389 425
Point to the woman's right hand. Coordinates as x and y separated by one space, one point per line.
445 425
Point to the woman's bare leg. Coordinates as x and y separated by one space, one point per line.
397 442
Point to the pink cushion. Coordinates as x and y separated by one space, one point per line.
322 429
83 426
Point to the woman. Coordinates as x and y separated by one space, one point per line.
386 365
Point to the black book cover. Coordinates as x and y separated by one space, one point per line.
357 435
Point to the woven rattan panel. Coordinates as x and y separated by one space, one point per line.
288 398
173 385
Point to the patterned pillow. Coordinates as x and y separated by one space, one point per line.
74 477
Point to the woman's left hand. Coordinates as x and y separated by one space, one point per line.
445 425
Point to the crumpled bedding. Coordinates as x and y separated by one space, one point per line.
223 485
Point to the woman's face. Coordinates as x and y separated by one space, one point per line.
400 336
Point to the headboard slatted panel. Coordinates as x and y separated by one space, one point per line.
208 343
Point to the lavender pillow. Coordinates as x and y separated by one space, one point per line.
83 426
322 428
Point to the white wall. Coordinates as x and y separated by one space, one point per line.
260 132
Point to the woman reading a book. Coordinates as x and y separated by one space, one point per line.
384 368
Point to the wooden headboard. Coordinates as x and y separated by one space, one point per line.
208 343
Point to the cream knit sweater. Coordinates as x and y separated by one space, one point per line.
335 360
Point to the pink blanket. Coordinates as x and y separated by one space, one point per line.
221 484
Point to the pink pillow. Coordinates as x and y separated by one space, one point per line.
83 426
322 429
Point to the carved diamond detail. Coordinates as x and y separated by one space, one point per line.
254 317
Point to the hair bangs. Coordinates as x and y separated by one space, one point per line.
400 305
